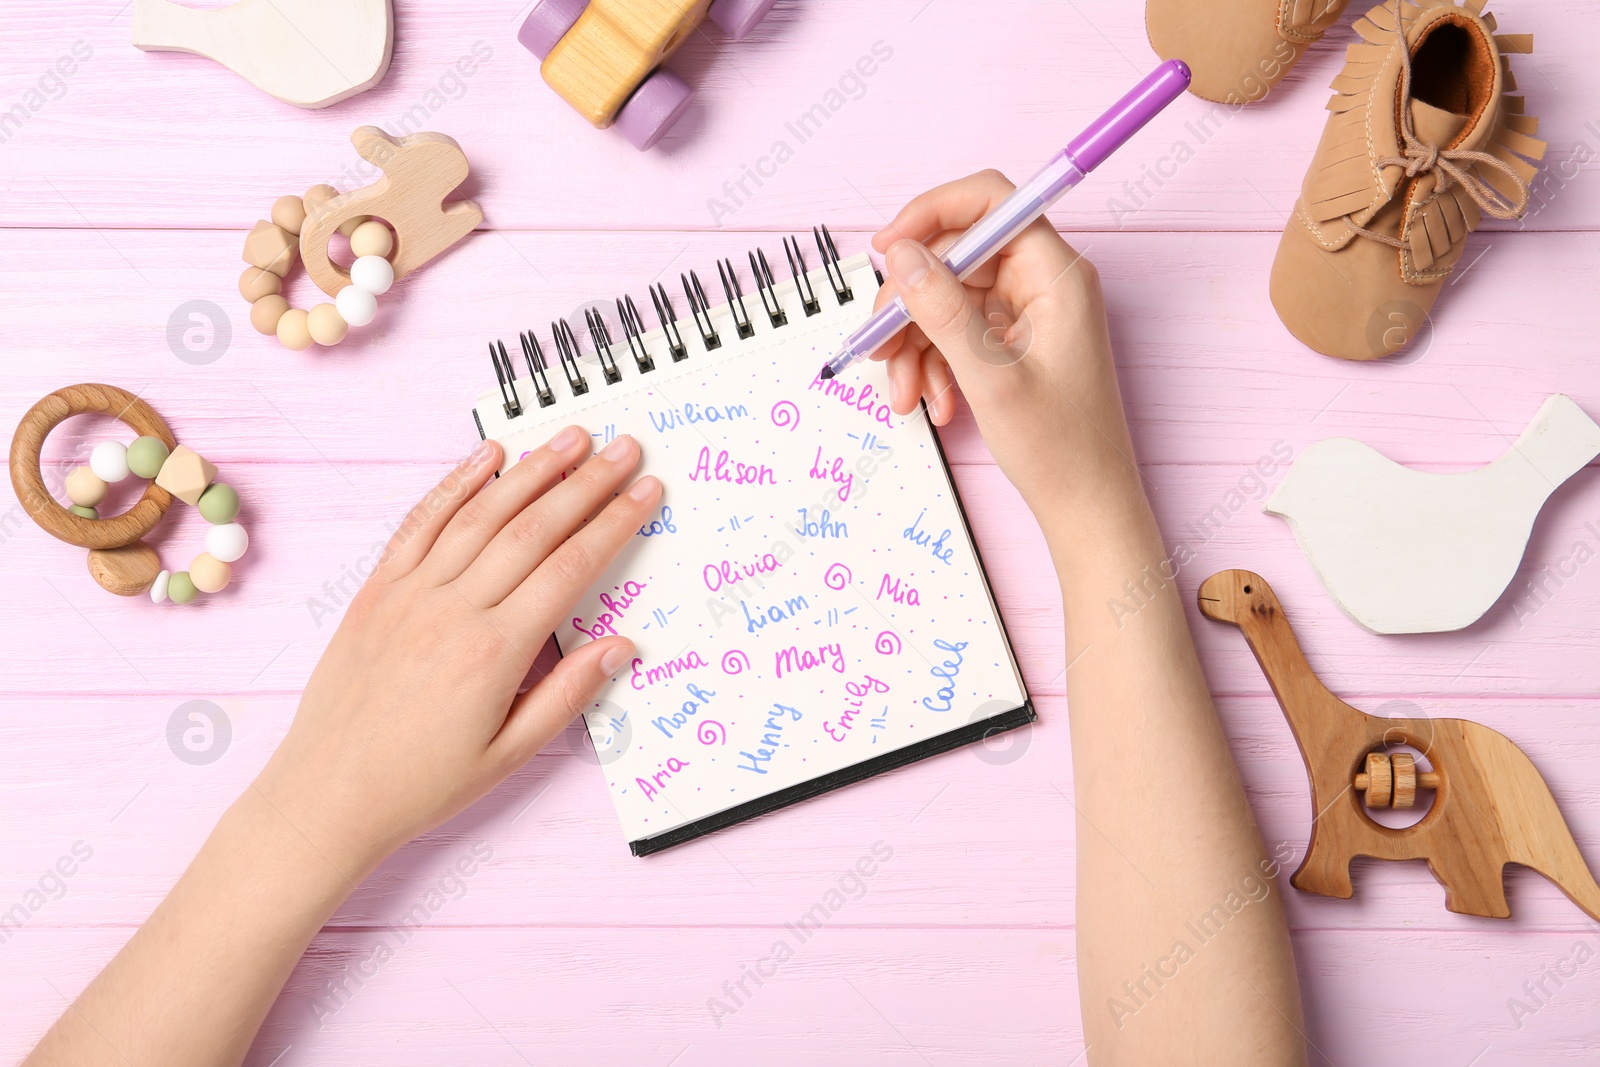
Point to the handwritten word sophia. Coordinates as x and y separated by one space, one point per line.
689 414
726 469
948 671
858 693
771 739
792 659
726 572
665 672
918 536
698 698
615 608
863 398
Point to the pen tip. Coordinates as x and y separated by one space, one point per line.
827 372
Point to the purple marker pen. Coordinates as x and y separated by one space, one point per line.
989 234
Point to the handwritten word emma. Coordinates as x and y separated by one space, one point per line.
948 671
658 781
792 659
726 572
698 698
771 739
666 671
615 607
918 536
858 691
690 414
726 469
833 471
863 398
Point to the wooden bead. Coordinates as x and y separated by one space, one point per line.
256 283
270 247
125 571
351 224
185 474
1380 780
289 212
266 312
371 238
293 331
326 325
85 488
209 574
1405 779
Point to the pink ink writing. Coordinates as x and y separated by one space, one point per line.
833 471
664 673
615 607
863 398
895 592
792 659
847 718
727 572
726 469
658 781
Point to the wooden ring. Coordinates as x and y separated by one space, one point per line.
28 480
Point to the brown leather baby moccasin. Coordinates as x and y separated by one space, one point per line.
1237 50
1422 143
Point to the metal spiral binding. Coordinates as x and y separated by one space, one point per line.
602 345
668 318
506 375
700 308
633 330
735 295
830 263
802 283
764 285
536 368
567 349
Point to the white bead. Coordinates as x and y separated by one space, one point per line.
109 461
372 273
227 542
158 588
356 306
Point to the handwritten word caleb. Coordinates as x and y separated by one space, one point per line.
948 671
847 718
615 608
726 469
698 698
918 536
771 739
863 398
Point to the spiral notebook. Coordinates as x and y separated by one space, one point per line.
807 604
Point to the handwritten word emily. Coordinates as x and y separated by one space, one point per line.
834 472
776 613
698 698
948 671
615 608
794 659
863 398
658 781
847 718
726 469
666 672
726 572
824 528
662 525
922 537
771 739
892 587
690 414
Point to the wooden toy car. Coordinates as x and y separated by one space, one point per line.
604 56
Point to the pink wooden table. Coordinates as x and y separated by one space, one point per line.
127 188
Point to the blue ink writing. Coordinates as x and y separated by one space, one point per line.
948 671
922 537
776 613
698 698
690 414
661 525
824 528
771 739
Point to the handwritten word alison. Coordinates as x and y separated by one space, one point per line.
832 471
792 659
776 613
948 671
771 739
918 536
689 414
615 608
666 671
725 468
658 781
726 572
857 693
860 397
698 698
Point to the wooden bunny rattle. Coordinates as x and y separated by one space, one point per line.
118 559
1491 806
419 171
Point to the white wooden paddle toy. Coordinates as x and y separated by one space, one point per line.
1403 551
310 53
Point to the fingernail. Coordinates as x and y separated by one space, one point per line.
644 488
619 448
481 453
907 262
616 657
566 440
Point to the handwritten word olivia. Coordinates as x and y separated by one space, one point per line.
666 672
922 537
948 671
833 472
847 718
863 398
616 607
907 595
776 613
794 659
823 529
726 572
725 469
690 414
698 698
771 739
658 781
662 525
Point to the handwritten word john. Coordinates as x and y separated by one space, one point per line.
948 671
771 739
726 469
918 536
615 607
847 718
823 528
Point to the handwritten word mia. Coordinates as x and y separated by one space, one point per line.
725 469
897 593
948 671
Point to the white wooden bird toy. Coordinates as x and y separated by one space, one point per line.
1403 551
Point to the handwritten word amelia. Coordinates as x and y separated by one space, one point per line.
726 469
895 592
666 671
918 536
863 398
689 414
771 739
698 698
847 718
834 472
658 781
726 572
792 659
776 613
824 528
615 608
948 671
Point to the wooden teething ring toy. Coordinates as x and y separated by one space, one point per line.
28 480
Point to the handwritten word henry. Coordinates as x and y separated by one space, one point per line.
771 739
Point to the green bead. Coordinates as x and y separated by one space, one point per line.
87 513
146 455
219 503
180 588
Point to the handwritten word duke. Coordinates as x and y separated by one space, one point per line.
615 607
922 537
725 469
948 671
771 739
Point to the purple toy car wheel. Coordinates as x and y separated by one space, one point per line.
739 17
652 109
547 23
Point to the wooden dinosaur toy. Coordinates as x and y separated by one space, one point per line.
1491 806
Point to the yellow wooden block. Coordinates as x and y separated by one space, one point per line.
610 49
185 474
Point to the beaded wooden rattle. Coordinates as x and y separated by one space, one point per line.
118 559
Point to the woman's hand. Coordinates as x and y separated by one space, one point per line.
1025 337
413 712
